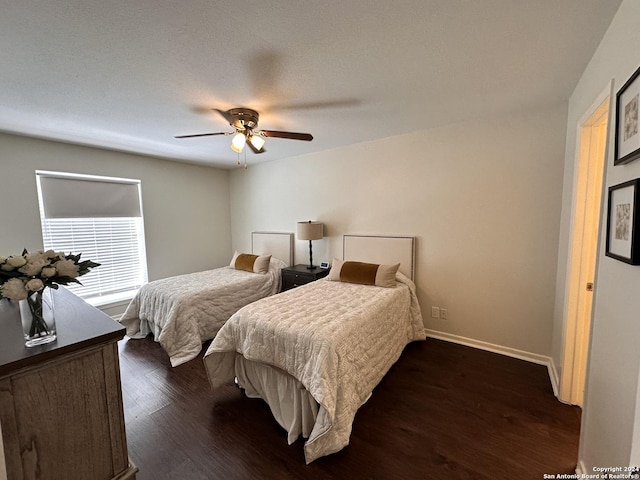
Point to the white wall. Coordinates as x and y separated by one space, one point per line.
482 198
610 397
186 207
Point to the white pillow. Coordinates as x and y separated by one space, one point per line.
363 273
250 263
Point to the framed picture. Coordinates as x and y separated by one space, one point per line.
627 144
622 219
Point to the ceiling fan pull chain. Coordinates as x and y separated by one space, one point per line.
245 160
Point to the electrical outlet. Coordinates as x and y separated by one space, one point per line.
435 312
443 313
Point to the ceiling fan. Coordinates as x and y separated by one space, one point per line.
245 123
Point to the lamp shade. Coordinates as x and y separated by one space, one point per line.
237 142
309 230
257 141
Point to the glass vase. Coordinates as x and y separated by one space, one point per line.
38 318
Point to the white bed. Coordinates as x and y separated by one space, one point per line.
315 353
184 311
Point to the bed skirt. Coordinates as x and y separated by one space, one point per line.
291 404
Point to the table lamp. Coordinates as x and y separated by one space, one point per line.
310 231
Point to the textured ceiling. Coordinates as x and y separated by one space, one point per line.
131 75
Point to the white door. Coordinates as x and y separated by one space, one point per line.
583 252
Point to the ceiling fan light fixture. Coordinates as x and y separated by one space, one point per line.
238 142
257 141
244 122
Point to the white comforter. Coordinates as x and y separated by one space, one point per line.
186 310
338 339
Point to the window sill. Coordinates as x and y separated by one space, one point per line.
114 300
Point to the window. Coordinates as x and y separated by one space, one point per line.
101 218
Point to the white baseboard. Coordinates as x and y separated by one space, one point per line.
508 351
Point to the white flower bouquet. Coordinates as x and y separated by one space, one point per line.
26 276
21 275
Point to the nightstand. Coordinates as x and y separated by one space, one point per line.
299 275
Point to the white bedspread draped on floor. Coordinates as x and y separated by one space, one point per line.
338 339
184 311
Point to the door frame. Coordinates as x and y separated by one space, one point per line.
577 323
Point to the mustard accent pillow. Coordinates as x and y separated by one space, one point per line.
250 263
363 273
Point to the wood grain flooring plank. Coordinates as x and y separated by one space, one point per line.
443 411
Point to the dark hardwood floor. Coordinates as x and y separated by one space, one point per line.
444 411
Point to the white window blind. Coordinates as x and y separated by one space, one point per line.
101 218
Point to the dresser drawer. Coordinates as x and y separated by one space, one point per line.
291 280
296 276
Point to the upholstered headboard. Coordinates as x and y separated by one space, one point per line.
382 250
279 245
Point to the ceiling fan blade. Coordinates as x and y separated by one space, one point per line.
225 113
291 135
346 102
202 135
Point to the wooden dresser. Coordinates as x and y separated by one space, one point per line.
61 410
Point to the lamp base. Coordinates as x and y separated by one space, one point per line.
311 267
